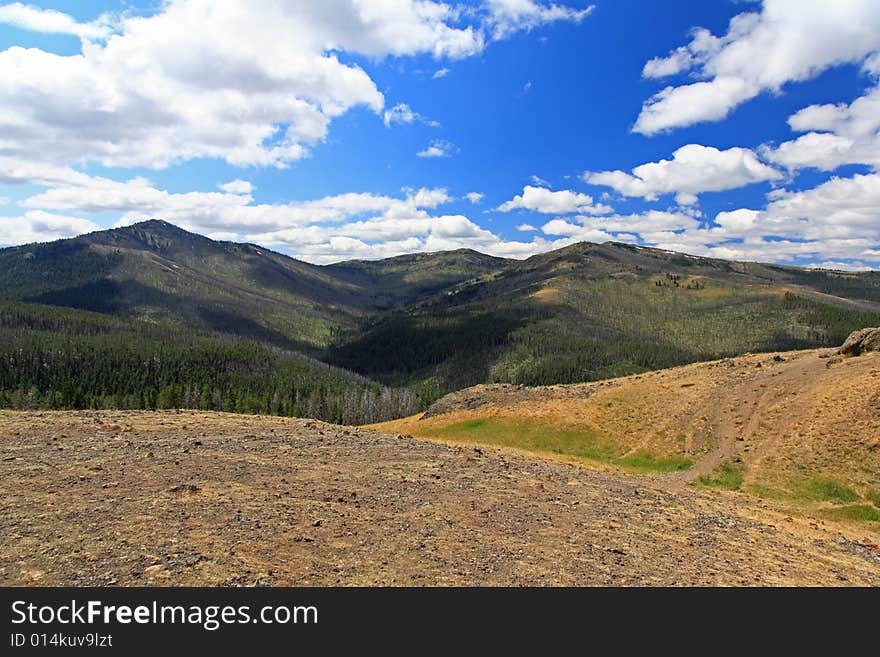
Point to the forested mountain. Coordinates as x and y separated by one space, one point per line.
428 322
57 358
591 311
158 272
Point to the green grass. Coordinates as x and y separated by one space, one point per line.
828 490
805 491
537 437
818 490
855 512
728 476
544 437
648 463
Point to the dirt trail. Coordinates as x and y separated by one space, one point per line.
738 409
193 498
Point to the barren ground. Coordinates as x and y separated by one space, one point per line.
194 498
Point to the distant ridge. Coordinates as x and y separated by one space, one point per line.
446 320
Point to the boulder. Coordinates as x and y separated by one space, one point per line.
866 339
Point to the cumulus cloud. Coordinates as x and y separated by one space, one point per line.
835 135
508 16
692 170
403 113
438 148
50 21
474 197
677 61
329 229
251 83
650 227
40 226
236 187
546 201
787 41
440 73
836 220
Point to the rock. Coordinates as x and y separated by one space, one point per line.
184 489
858 342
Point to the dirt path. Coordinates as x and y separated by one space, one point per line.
203 498
739 407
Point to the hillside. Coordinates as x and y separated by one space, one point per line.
157 272
798 429
591 311
60 358
196 498
439 322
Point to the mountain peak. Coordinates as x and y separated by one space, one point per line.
158 225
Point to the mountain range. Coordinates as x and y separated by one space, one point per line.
431 322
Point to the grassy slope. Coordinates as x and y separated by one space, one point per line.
801 433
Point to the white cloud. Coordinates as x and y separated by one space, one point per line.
236 187
200 79
50 21
395 233
787 41
539 181
329 229
403 113
474 197
840 266
693 169
525 228
251 83
39 226
509 16
231 209
438 148
840 207
677 61
836 221
440 73
835 135
685 198
545 201
650 226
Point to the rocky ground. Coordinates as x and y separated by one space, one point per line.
194 498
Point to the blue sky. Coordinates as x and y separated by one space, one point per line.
336 129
